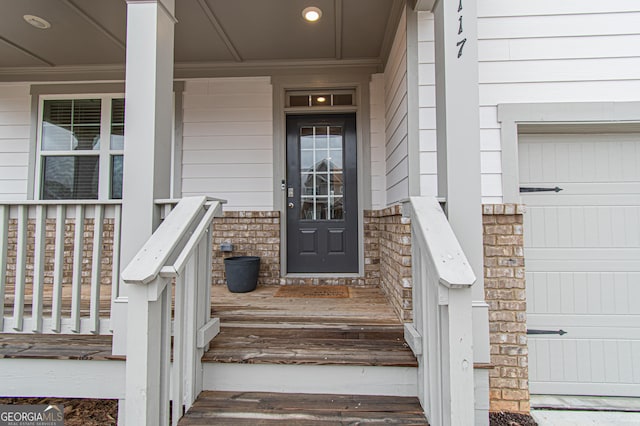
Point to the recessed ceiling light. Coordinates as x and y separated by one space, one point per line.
322 99
37 22
311 14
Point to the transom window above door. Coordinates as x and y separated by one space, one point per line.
80 148
320 98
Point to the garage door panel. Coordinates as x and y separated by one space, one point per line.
582 293
582 261
588 366
579 158
565 226
631 254
588 264
591 189
580 327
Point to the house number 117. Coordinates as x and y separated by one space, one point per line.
460 44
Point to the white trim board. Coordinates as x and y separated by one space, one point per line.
588 113
323 379
23 377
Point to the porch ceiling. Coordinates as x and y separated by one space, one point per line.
210 34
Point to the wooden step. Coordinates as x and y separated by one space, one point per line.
261 328
345 345
258 408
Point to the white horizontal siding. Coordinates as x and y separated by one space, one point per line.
15 135
541 51
396 130
377 107
228 141
548 51
427 105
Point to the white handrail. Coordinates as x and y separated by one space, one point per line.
158 372
441 332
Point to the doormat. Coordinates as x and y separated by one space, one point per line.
314 292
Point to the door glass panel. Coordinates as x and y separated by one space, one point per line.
307 161
336 208
336 184
321 151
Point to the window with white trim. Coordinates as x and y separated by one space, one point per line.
80 147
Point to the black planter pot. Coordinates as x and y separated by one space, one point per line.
242 273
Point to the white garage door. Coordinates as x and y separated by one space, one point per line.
582 257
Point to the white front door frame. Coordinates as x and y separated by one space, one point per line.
332 81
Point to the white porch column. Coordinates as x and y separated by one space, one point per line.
458 135
148 121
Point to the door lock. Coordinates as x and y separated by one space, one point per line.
291 205
290 192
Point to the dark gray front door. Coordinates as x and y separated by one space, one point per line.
322 199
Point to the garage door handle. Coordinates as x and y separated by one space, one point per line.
524 189
560 332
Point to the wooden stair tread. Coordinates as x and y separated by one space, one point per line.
239 408
318 346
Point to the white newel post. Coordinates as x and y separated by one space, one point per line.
146 177
458 135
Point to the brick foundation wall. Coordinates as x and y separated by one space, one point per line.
252 233
392 232
387 252
505 293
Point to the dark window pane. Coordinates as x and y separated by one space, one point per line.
299 101
117 111
306 184
343 99
117 124
116 176
337 211
86 111
70 177
322 211
322 185
86 138
57 112
71 125
306 210
321 130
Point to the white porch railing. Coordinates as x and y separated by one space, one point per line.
59 265
158 371
441 332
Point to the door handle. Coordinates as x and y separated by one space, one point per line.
291 205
